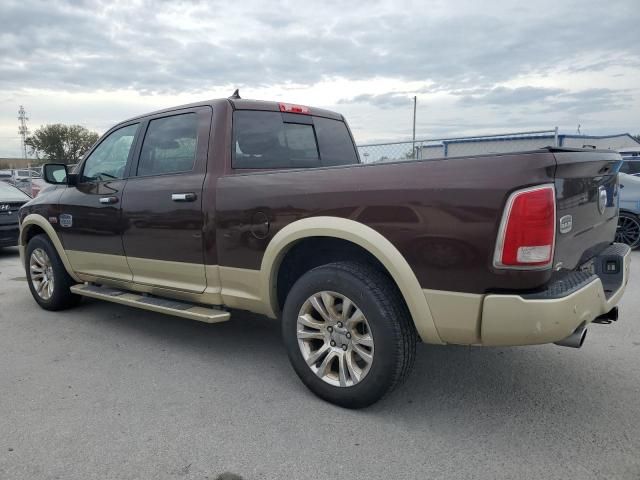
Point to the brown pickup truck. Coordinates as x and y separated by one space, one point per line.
262 206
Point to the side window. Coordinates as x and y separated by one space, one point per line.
109 159
169 145
336 145
264 140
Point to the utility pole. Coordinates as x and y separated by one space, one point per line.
415 101
23 130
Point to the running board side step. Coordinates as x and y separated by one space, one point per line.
152 303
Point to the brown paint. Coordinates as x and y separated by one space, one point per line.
441 215
95 227
158 227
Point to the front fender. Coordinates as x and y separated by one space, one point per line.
34 220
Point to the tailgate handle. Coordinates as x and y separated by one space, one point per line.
183 197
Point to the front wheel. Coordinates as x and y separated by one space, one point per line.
48 280
628 230
348 333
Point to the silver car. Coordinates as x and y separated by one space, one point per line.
629 220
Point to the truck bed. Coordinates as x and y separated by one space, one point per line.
442 215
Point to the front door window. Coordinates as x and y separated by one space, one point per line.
109 159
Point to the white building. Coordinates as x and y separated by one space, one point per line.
504 144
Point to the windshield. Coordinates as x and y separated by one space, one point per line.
9 193
630 166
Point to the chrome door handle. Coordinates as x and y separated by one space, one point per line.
108 200
183 197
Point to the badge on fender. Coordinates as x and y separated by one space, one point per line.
66 220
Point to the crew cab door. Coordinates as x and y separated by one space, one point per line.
90 219
162 204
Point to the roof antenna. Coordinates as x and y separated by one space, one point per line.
236 95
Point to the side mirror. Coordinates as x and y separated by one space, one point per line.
55 173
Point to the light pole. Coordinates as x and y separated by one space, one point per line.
413 141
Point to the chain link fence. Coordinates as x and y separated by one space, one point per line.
457 146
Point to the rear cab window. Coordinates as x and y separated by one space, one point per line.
278 140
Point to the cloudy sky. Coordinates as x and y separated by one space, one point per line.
475 66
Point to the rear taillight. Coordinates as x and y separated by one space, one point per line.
291 108
527 234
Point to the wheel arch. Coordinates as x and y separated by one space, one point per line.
34 224
363 236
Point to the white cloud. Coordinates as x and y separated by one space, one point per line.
532 65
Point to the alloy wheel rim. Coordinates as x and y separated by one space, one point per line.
628 231
335 339
41 273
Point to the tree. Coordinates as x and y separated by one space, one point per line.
61 143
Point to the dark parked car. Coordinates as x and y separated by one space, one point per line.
264 206
628 230
11 199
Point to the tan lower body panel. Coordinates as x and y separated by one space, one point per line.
190 277
208 297
514 320
509 320
100 264
175 275
456 315
241 289
194 312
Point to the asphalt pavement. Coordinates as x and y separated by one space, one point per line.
108 392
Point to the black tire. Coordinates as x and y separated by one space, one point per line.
628 230
61 297
390 323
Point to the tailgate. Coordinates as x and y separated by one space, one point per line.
587 204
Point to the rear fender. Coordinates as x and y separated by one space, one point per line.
363 236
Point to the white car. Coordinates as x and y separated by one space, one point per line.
24 174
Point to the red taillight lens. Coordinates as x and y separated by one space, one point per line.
527 232
291 108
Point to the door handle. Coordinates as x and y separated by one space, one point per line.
108 200
183 197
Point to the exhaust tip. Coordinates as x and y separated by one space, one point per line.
576 339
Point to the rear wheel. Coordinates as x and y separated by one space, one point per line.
348 333
48 280
628 230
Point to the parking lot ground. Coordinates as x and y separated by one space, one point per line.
107 392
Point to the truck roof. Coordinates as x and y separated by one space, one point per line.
238 104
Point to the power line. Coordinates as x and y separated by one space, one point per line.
23 130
